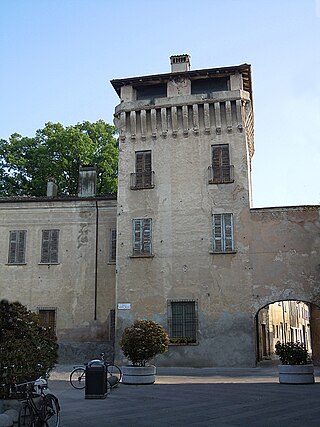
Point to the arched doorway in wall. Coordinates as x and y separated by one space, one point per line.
284 321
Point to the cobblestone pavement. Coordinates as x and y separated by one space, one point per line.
219 397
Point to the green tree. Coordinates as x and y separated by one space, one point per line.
57 151
27 348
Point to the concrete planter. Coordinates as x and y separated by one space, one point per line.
296 374
138 374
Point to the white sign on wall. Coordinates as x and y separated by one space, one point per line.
124 306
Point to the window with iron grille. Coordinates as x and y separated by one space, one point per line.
17 247
183 322
47 317
220 171
143 176
222 228
142 237
49 248
112 245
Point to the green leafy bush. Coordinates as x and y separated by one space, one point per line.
143 340
292 353
27 348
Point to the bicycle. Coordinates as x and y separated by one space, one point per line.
38 409
78 375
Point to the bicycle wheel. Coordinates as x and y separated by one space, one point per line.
51 411
25 416
78 378
115 372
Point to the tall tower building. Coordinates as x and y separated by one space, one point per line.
186 143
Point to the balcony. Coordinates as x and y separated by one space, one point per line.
142 180
221 175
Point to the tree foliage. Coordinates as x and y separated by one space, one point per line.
57 152
27 348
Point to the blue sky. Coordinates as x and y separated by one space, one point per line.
58 57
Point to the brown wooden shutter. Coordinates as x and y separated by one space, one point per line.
221 162
143 168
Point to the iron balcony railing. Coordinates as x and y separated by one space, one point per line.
140 180
221 175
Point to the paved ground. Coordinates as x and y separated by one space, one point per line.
216 397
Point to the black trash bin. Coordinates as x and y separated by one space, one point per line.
96 380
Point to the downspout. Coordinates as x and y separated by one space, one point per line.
96 264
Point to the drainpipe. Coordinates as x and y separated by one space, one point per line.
96 264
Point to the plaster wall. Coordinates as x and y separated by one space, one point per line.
284 254
82 302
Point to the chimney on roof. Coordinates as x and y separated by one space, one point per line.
180 63
87 181
52 188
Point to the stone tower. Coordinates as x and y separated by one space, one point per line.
186 143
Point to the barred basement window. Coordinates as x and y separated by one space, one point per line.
142 237
183 322
17 247
222 228
112 245
47 317
49 249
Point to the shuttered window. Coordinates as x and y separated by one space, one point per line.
222 227
142 236
143 169
183 322
17 247
112 245
221 168
49 249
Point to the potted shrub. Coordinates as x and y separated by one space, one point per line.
140 342
297 367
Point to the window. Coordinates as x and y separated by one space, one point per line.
49 250
143 177
220 171
222 228
183 322
112 245
142 229
17 247
47 317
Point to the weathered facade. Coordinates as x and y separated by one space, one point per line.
181 243
56 258
191 253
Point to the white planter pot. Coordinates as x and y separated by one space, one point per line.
138 374
296 374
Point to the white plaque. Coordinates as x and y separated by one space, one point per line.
124 306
